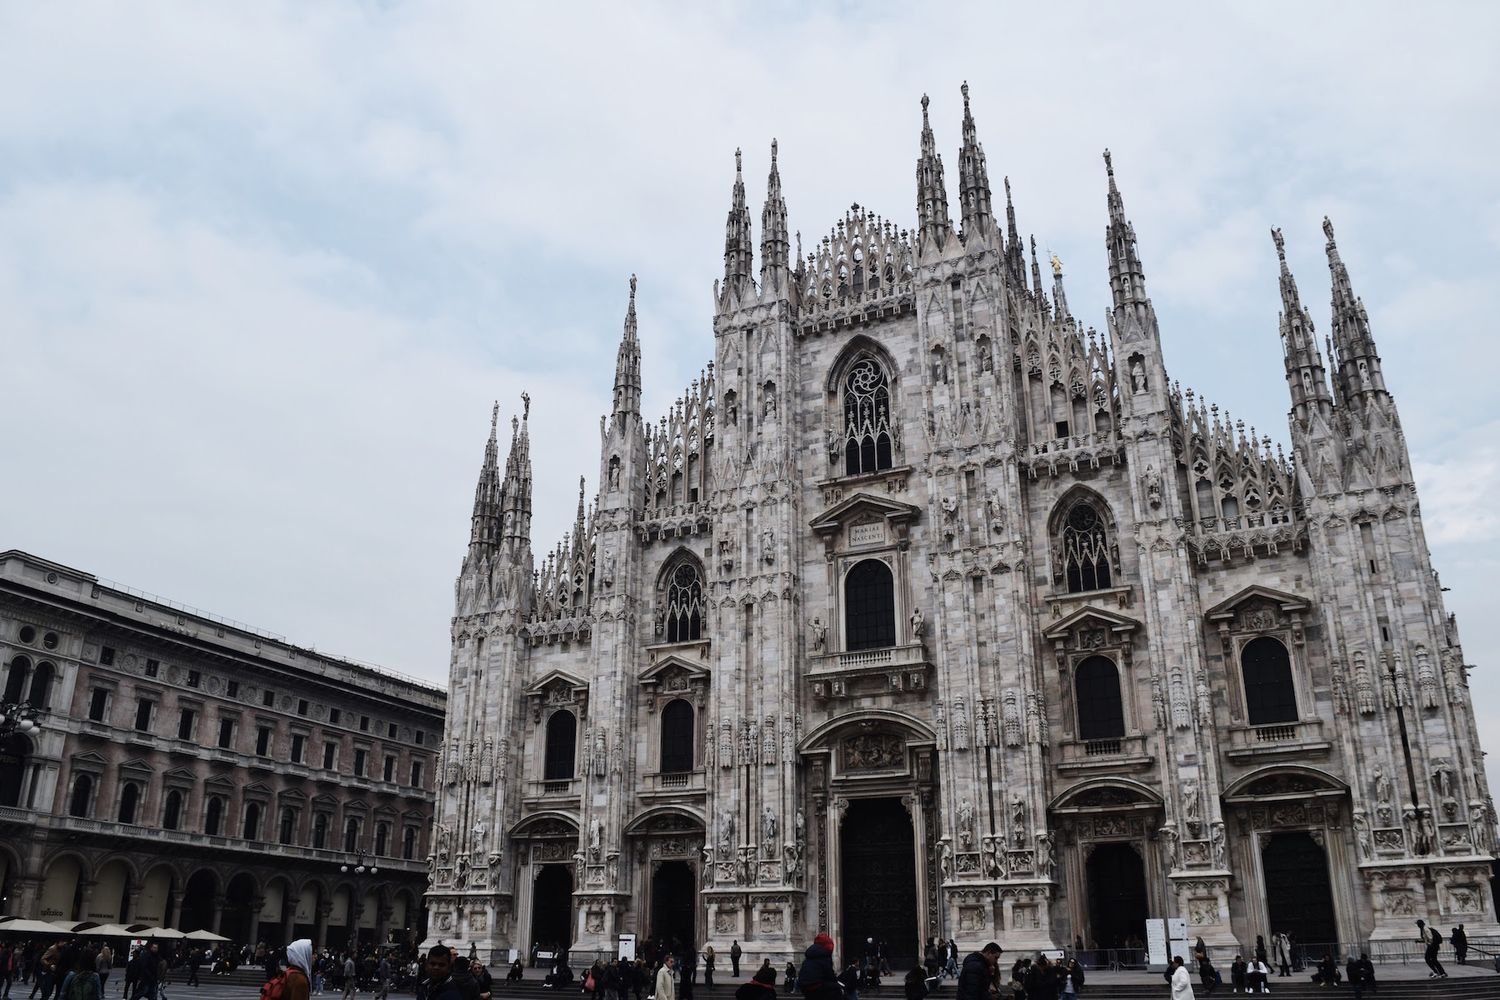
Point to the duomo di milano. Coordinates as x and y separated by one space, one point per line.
928 611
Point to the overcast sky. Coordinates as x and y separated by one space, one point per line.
264 267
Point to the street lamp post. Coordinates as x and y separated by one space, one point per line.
360 867
17 717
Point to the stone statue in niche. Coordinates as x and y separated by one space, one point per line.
995 510
767 546
1167 836
1220 846
1018 821
596 838
945 860
726 833
965 824
1046 855
819 634
1362 836
768 401
609 569
918 625
1427 682
1190 802
1153 486
768 830
1137 375
614 472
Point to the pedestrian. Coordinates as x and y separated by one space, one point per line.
7 969
734 958
1207 974
1366 976
817 979
1237 973
950 955
298 974
1283 954
484 983
978 973
440 984
194 962
1260 974
104 963
351 975
915 985
146 972
708 966
762 985
791 975
1182 984
383 977
666 985
1432 940
1460 944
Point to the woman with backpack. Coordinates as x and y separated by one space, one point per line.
296 982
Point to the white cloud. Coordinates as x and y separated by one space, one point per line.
263 266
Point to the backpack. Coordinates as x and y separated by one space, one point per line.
1437 937
84 986
274 989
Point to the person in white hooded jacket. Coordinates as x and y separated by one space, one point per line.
298 969
1182 983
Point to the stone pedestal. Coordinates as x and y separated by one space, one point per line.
1444 893
1202 899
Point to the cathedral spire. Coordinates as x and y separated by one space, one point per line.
737 246
1059 297
516 490
1305 376
484 532
774 245
1126 279
1015 254
628 363
974 180
1356 362
932 197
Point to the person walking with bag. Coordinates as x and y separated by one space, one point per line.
1432 940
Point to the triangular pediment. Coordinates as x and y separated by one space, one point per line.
863 508
181 774
556 678
673 666
1284 601
136 764
218 781
89 759
1095 618
325 801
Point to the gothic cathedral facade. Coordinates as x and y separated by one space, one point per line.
929 612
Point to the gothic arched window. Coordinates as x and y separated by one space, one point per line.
869 606
562 746
1270 697
684 603
82 798
677 736
1084 547
1101 714
867 417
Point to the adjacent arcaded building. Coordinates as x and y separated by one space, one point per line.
928 610
194 772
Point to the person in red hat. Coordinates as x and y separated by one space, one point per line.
817 979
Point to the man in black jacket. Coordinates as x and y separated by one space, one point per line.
978 973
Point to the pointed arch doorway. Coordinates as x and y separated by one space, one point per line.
674 894
1118 903
879 878
1299 895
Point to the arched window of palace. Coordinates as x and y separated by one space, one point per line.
683 607
41 685
252 821
171 815
82 797
1270 697
1101 713
867 417
409 843
15 680
677 736
1084 547
562 746
288 831
869 606
213 816
382 838
351 834
130 800
320 831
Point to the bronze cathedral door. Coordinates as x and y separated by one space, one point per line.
878 881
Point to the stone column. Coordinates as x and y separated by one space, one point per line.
28 897
257 903
356 914
383 923
321 934
132 897
288 917
85 899
170 916
218 912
